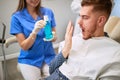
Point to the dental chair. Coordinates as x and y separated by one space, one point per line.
112 27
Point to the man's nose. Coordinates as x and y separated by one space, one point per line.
80 21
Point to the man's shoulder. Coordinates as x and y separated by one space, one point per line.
103 43
111 41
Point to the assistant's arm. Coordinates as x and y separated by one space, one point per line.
26 43
54 34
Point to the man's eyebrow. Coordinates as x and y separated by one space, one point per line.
82 15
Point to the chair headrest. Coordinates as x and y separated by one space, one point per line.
112 27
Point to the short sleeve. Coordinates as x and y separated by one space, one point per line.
15 26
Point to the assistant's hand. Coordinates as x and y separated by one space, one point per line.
54 36
38 25
68 40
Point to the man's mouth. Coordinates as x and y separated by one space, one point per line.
83 30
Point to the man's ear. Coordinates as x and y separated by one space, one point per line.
101 20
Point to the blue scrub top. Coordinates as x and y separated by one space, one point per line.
41 51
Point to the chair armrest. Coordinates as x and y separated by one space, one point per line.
10 41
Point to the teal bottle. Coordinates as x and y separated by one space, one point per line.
48 30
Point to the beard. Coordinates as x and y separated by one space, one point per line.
88 33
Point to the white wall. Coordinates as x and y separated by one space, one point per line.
7 7
61 9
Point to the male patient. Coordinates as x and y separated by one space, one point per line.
90 56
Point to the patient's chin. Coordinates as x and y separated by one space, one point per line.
86 37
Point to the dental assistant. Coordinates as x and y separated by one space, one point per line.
27 25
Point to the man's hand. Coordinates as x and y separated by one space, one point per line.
68 40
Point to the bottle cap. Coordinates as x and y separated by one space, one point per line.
46 18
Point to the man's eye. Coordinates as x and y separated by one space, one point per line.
85 17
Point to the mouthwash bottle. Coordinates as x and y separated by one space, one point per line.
48 30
